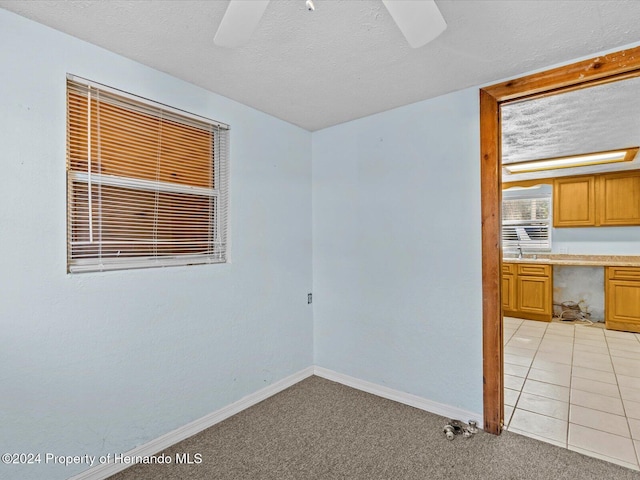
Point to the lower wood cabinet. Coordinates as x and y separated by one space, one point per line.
527 291
622 298
509 303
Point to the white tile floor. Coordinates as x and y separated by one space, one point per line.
575 386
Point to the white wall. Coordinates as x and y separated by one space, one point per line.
98 363
582 285
396 244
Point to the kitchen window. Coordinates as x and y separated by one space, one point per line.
526 218
147 184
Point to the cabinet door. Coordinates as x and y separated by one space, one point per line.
623 305
509 304
534 297
574 201
619 199
622 299
508 294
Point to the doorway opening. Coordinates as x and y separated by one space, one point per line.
607 68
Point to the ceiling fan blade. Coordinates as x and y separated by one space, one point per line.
239 22
420 21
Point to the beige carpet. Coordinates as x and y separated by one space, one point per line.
318 429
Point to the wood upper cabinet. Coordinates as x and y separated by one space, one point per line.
610 199
622 298
527 291
574 201
619 198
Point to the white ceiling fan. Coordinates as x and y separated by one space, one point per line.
420 21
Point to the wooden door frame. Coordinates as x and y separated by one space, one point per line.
602 69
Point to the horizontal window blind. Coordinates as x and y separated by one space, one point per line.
526 222
147 184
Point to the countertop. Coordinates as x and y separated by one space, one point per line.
578 260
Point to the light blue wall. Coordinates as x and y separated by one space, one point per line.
396 244
97 363
597 240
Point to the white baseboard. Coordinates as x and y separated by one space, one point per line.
100 472
103 471
401 397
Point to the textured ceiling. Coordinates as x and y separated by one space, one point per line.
347 59
595 119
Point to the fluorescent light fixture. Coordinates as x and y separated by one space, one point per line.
598 158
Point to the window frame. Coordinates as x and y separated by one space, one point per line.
523 243
216 249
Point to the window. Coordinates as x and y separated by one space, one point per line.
526 218
146 183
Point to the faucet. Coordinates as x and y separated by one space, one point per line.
519 249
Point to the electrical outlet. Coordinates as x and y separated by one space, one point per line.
309 298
